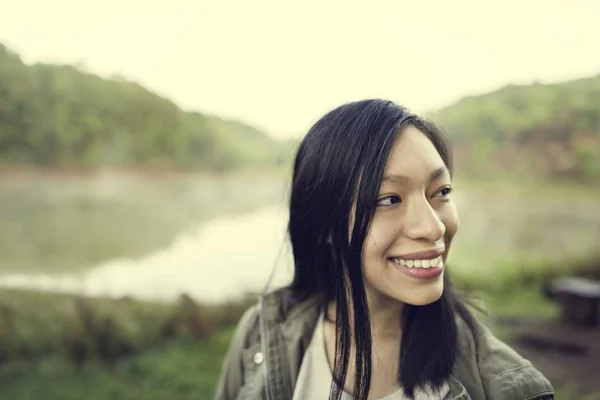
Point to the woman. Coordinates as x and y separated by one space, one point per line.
371 304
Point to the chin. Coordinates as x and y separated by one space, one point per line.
423 296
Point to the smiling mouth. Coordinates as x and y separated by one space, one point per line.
424 263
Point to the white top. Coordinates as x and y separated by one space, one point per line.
315 376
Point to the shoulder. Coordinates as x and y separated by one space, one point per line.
246 334
246 339
277 309
247 329
281 316
491 366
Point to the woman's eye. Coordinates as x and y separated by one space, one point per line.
388 201
444 192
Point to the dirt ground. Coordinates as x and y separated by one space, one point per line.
565 354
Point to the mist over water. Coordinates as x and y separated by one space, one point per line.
220 250
219 261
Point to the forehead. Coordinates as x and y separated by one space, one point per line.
413 155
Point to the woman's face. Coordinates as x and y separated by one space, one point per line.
408 242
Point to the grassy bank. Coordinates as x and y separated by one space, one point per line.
182 369
65 347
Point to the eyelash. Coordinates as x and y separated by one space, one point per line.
446 190
388 198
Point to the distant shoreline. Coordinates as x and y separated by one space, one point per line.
18 171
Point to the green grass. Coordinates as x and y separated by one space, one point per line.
516 302
520 302
187 366
571 392
496 275
38 332
183 369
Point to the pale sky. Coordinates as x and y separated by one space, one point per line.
279 65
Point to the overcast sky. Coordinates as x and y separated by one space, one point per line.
279 64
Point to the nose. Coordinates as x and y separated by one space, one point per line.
422 222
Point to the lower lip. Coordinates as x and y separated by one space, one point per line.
422 273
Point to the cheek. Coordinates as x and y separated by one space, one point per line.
449 218
380 237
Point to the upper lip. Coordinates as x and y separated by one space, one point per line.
423 255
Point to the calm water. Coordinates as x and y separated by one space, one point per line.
157 237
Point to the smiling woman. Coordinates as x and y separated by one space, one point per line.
371 312
413 225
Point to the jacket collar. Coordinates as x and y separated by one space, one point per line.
290 326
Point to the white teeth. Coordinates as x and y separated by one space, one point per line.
419 263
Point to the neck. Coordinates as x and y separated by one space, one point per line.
385 315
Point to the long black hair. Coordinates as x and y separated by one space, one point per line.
337 174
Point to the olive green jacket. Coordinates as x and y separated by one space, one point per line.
267 369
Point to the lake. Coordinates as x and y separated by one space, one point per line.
156 237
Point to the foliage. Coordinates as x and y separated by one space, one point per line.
549 130
94 348
67 347
34 325
181 369
155 350
57 115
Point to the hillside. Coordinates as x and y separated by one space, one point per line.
549 130
58 115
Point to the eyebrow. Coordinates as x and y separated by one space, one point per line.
403 180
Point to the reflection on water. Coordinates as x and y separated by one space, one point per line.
67 224
215 258
224 259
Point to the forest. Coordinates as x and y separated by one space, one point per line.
59 116
547 131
